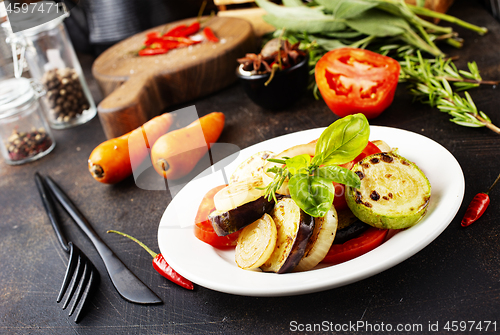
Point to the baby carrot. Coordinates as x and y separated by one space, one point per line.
110 161
176 153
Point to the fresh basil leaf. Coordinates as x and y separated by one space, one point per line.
342 141
297 163
338 174
378 23
314 195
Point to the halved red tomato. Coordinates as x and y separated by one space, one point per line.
356 247
357 81
203 227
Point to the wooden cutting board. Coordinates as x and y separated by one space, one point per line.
138 88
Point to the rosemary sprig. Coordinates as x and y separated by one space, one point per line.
280 175
429 82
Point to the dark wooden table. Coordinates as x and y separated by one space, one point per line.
455 278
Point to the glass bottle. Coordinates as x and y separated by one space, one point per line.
24 133
52 61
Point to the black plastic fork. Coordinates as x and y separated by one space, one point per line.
84 274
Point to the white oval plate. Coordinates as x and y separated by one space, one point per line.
216 269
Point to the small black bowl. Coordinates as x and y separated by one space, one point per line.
286 87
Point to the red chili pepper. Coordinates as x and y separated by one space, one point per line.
477 206
209 34
160 264
192 29
152 38
176 31
152 51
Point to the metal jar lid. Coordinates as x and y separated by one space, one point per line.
14 93
31 23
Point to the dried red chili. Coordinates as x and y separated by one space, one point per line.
478 206
160 264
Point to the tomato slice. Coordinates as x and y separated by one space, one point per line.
356 247
357 81
203 227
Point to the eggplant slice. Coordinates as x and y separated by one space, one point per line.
320 241
225 223
294 228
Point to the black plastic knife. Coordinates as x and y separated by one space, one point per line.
125 282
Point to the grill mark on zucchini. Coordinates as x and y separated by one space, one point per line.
386 158
394 193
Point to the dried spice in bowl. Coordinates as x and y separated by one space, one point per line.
276 77
23 145
276 54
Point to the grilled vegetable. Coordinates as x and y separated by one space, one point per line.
237 194
227 222
353 230
294 228
383 146
297 150
320 240
394 192
203 229
256 243
251 168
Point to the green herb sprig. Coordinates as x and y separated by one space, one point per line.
429 82
332 24
310 180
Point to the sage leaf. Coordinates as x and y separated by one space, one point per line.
352 8
342 141
338 174
298 163
330 5
343 34
378 23
293 3
328 44
314 195
302 19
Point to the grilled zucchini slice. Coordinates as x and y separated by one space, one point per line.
394 192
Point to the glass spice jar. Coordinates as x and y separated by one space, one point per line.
24 133
52 61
